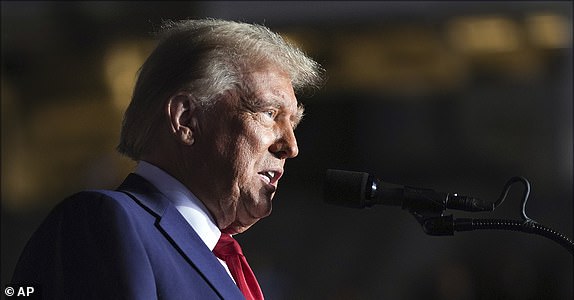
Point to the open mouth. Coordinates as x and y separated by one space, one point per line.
270 177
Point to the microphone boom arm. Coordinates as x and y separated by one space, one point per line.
447 225
360 190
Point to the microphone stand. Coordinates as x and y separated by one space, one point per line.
434 223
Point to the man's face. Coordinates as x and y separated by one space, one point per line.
244 141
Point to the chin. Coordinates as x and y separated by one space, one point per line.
236 228
261 213
239 226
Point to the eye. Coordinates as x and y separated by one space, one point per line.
271 113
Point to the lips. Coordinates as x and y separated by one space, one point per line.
271 176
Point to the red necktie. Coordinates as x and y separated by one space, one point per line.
229 251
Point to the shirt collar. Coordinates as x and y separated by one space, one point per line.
188 205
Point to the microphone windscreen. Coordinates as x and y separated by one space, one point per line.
346 188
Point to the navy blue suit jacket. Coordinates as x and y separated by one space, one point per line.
131 243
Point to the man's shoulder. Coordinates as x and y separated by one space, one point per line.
96 198
94 204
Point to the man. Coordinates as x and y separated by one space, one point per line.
211 124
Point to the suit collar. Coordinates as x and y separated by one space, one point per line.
180 234
145 194
193 210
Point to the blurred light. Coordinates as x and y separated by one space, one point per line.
409 60
121 64
486 34
549 31
17 182
303 39
360 60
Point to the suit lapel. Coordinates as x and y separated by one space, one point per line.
186 239
181 235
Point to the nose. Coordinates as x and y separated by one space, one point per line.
285 146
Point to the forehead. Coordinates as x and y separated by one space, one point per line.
270 82
273 88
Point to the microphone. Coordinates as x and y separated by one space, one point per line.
360 190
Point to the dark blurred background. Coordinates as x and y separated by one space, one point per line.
453 96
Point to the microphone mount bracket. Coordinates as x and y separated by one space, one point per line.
435 223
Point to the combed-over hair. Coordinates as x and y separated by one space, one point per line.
205 57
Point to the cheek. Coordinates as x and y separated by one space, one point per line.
262 137
237 155
247 146
250 156
245 154
255 138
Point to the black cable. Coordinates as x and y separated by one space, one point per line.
525 194
513 225
447 225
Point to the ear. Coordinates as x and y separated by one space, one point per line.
182 113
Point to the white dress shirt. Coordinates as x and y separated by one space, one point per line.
191 208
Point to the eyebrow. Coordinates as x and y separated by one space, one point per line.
256 103
298 117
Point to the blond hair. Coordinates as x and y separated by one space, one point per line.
206 57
